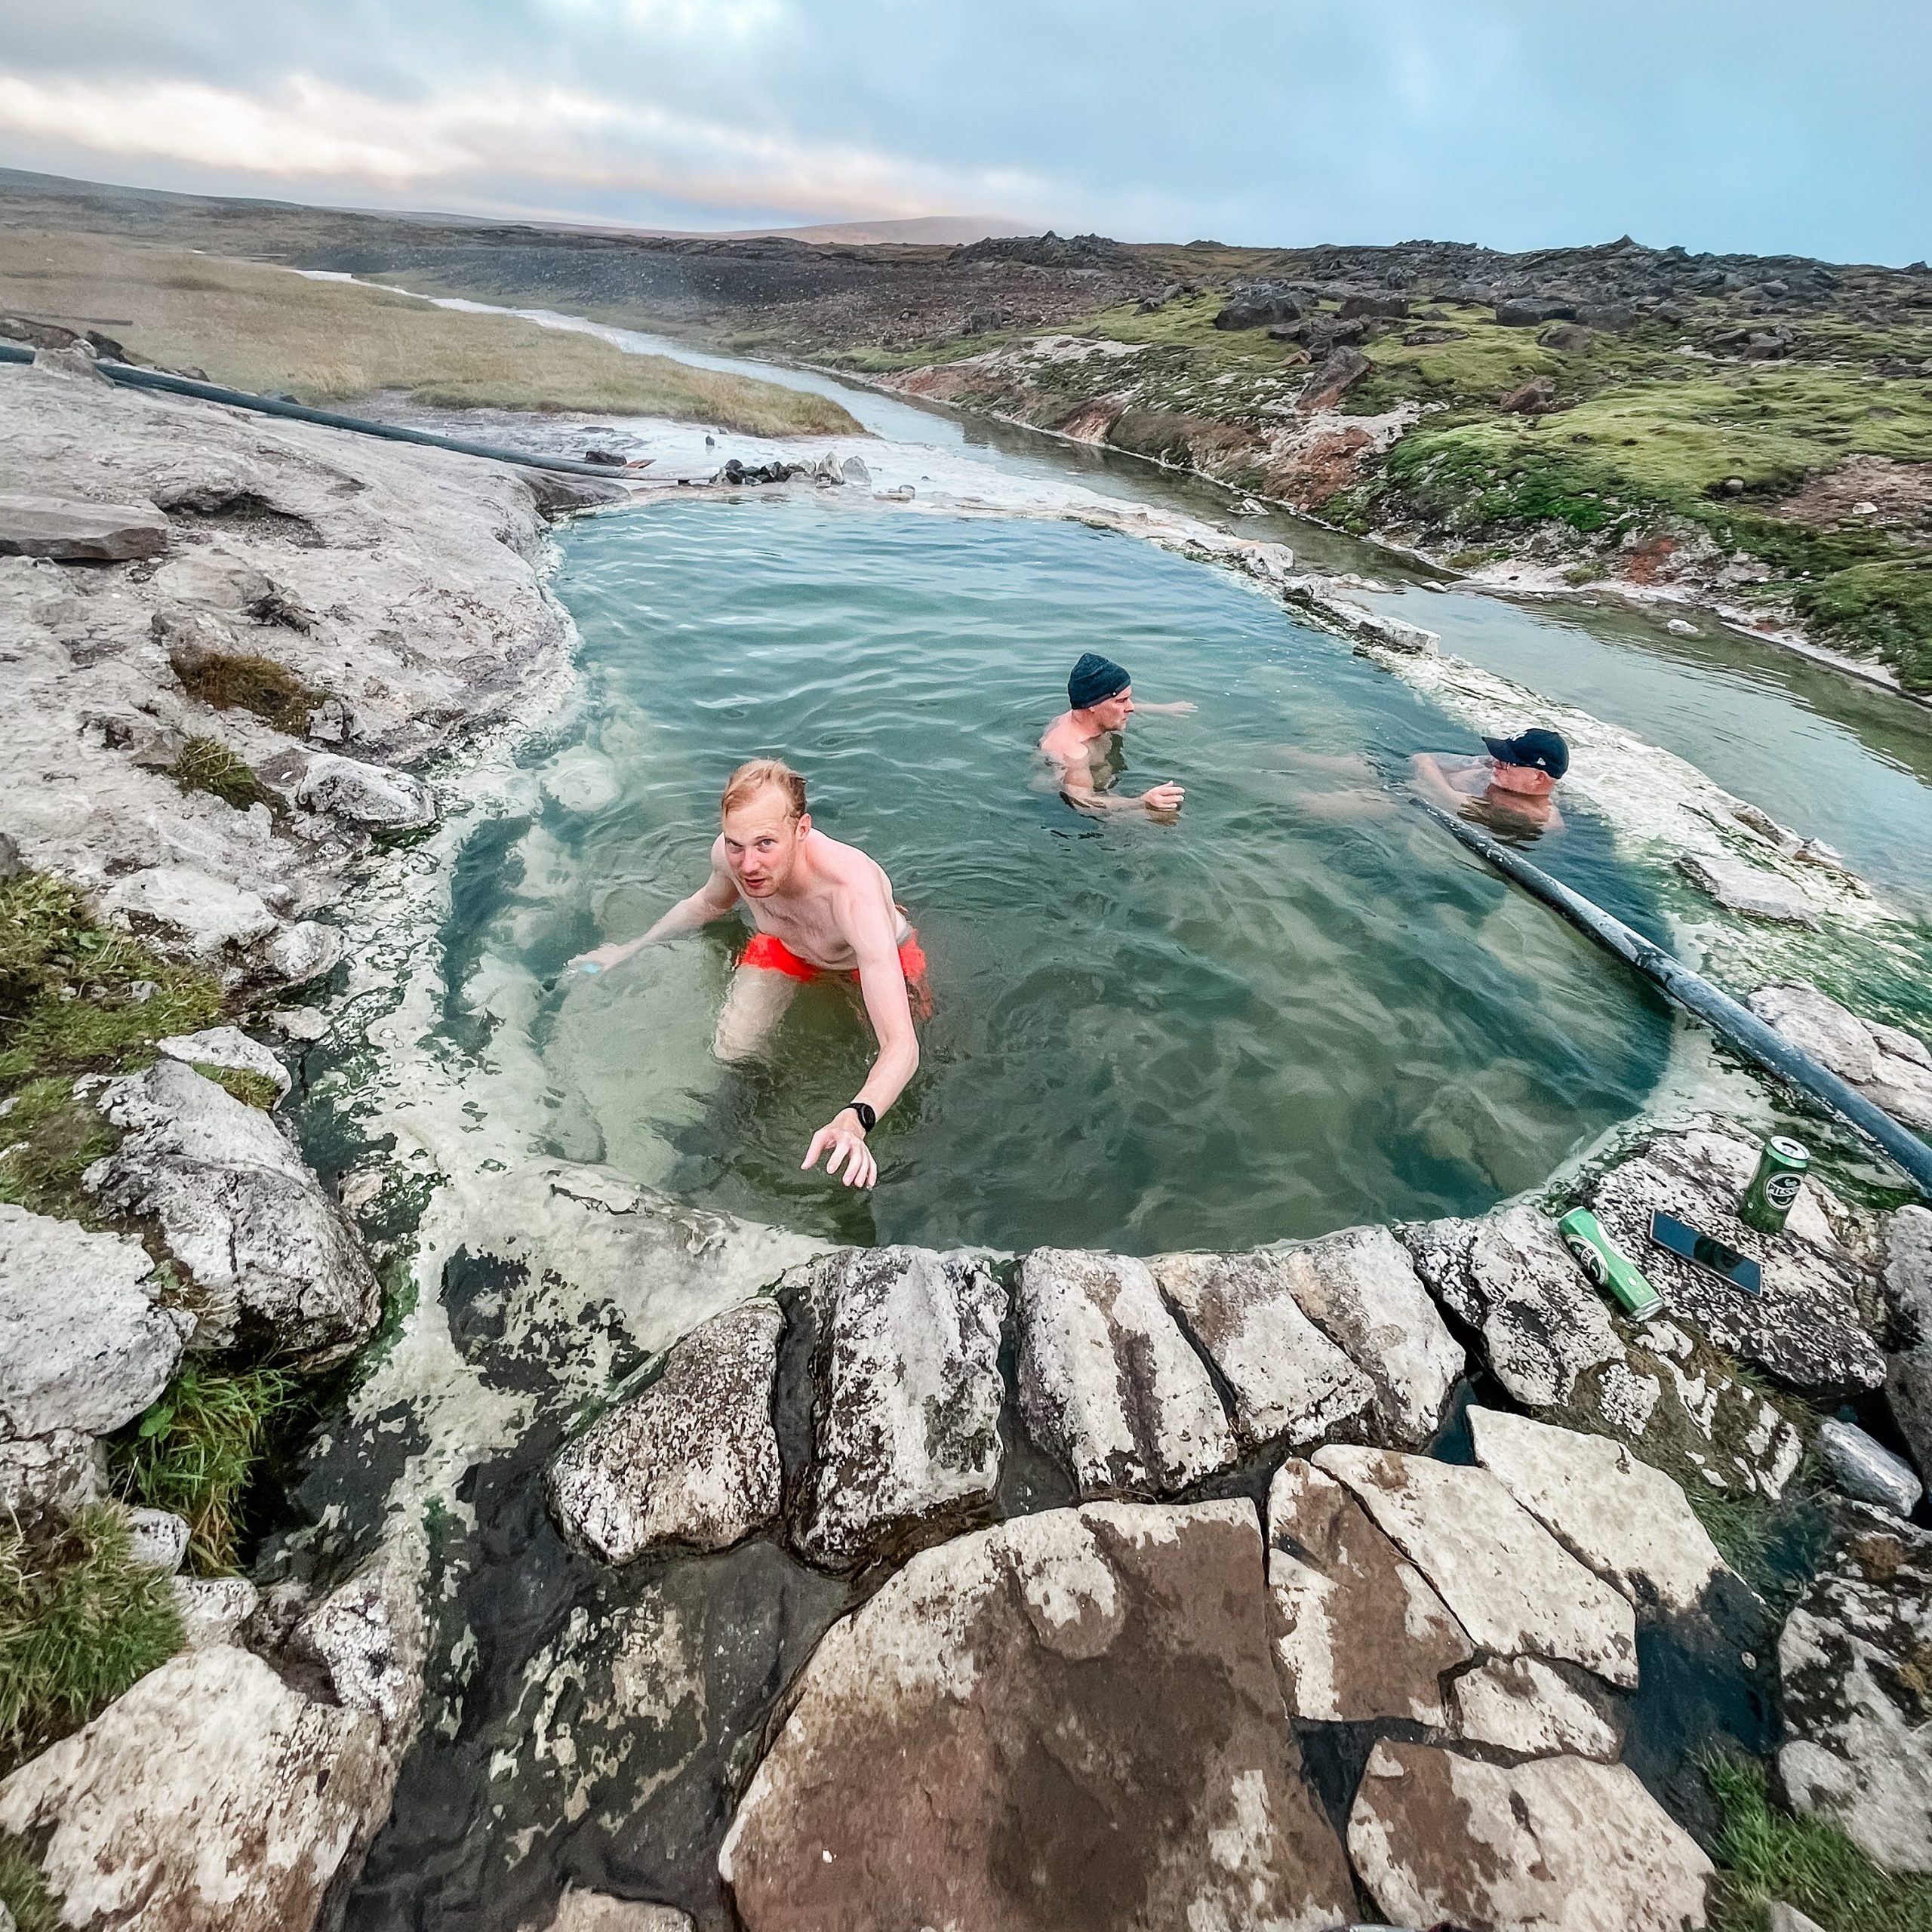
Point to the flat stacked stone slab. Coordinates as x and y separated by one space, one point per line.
1290 1382
1358 1633
1508 1275
692 1461
1527 1706
1558 1844
69 532
1509 1582
1628 1522
1108 1383
1070 1721
1359 1288
905 1427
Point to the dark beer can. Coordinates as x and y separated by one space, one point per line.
1773 1189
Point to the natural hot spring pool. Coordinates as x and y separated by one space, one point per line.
1300 1007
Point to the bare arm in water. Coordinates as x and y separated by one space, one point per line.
1179 707
870 929
1433 777
712 900
1077 788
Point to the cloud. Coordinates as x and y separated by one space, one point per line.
1725 124
549 137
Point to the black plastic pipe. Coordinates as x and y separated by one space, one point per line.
1736 1024
129 377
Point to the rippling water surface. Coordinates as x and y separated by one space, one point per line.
1300 1006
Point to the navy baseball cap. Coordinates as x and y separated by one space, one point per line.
1544 751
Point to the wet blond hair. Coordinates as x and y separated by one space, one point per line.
751 778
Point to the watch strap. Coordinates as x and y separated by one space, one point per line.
868 1118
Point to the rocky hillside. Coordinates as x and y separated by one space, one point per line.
1748 432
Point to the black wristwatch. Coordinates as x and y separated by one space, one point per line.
867 1120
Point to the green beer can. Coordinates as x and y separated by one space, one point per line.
1606 1265
1768 1201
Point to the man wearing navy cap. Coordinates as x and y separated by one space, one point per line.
1101 696
1514 786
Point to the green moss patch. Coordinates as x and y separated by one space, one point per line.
1885 606
48 1139
79 1623
1766 1855
196 1450
247 682
76 995
206 764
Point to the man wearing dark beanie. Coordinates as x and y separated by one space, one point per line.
1101 698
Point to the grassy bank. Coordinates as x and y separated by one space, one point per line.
1765 1855
325 343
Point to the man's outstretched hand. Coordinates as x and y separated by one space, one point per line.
603 959
843 1145
1164 800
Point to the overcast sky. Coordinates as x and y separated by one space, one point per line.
1765 125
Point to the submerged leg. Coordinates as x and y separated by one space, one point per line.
753 1007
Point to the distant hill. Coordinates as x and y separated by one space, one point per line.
931 231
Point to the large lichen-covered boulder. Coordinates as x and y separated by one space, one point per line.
84 1345
905 1424
276 1264
1812 1326
693 1460
1107 1384
1558 1844
1509 1582
1359 1635
1858 1709
210 1797
1289 1382
1069 1721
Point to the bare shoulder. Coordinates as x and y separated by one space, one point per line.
1061 741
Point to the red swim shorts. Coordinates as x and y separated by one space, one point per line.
767 951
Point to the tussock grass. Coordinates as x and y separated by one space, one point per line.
270 330
79 1623
206 764
246 681
24 1889
253 1090
51 1139
1767 1855
76 995
195 1451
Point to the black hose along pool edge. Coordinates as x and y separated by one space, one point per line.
1736 1024
130 378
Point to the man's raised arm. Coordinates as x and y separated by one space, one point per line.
872 935
712 900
